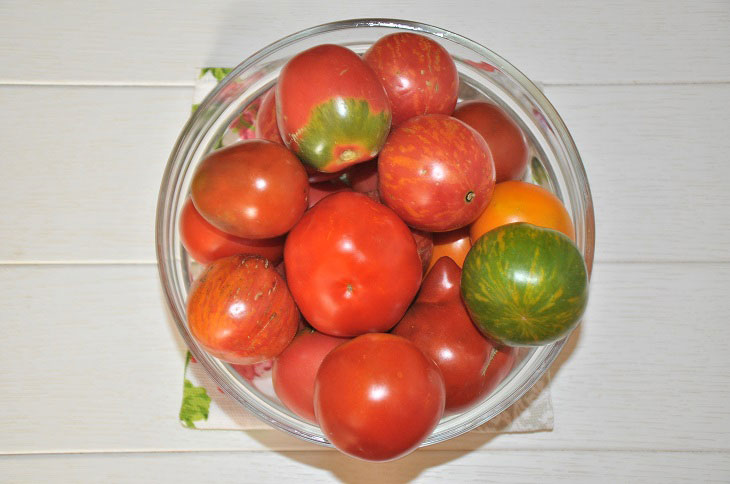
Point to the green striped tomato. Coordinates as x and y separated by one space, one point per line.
524 285
331 109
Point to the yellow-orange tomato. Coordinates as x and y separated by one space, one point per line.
454 244
518 201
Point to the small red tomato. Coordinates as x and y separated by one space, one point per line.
240 310
317 191
436 173
351 265
266 127
332 110
439 325
418 74
378 397
254 189
505 138
454 244
295 369
206 243
363 178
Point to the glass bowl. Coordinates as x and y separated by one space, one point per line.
555 164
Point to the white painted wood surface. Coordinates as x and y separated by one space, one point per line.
93 95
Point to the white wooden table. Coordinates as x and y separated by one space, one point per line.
92 97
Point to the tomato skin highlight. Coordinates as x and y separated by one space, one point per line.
418 74
240 310
378 397
352 265
436 173
206 243
266 127
518 201
253 189
331 109
506 140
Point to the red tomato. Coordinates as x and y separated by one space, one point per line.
206 243
254 189
363 178
317 191
378 397
240 310
439 324
505 138
352 265
518 201
436 173
424 242
332 110
266 127
418 74
296 367
454 244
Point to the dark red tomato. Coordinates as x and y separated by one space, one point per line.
436 173
439 324
418 74
266 127
378 397
317 191
505 138
296 367
206 243
352 265
363 178
254 189
241 311
332 110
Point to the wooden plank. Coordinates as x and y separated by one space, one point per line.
92 364
82 168
421 467
655 157
570 42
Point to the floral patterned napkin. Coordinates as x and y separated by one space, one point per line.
205 406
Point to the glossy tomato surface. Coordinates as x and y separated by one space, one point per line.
295 369
436 173
378 397
240 310
206 243
253 189
454 244
352 265
266 127
332 110
438 323
418 74
505 138
518 201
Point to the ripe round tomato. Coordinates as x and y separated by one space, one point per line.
454 244
438 323
266 127
295 369
418 74
332 110
352 265
378 397
436 173
254 189
505 138
240 310
518 201
206 243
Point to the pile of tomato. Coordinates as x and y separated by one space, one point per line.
334 244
